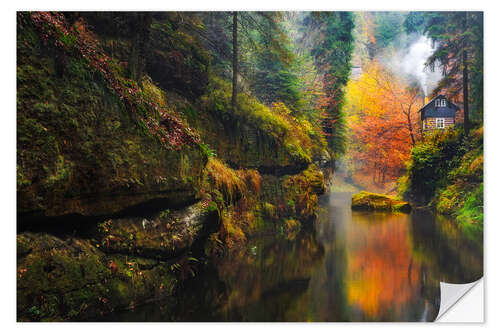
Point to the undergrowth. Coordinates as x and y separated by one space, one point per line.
236 194
296 135
445 171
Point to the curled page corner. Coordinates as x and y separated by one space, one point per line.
451 294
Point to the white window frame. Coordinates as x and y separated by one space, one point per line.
440 103
439 122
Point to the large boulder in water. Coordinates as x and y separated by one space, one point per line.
374 201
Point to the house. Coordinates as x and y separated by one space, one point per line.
439 113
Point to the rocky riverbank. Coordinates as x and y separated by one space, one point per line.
125 188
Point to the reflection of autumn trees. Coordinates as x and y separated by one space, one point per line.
392 260
383 117
381 275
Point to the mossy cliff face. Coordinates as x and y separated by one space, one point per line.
93 142
81 150
249 202
296 196
263 141
256 136
289 203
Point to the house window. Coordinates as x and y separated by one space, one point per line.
439 122
440 103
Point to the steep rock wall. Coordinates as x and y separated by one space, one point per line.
79 149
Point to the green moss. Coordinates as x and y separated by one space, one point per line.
466 204
292 197
77 140
69 279
446 172
373 201
161 236
314 176
269 210
212 207
254 136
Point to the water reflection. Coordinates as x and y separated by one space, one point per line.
381 273
352 267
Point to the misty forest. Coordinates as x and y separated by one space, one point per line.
247 166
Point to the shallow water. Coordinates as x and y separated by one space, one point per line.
354 266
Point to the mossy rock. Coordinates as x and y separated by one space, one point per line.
61 279
374 201
253 137
166 235
315 178
292 196
245 145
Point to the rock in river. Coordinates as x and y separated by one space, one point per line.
374 201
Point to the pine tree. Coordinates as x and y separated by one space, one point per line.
332 53
458 37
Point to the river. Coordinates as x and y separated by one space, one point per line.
352 266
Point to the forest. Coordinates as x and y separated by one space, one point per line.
164 157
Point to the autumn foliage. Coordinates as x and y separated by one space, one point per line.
383 118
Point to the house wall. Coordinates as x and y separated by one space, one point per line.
459 117
430 123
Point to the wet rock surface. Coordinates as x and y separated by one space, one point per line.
165 235
373 201
130 261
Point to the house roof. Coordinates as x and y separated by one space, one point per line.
440 112
431 103
430 109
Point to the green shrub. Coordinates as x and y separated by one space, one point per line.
446 171
430 163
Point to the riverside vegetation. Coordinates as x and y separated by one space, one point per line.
133 166
153 146
445 172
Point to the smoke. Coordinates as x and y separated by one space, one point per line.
408 62
413 64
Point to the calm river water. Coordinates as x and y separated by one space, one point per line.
354 266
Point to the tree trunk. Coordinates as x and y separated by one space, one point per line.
466 94
410 128
234 100
140 46
465 83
